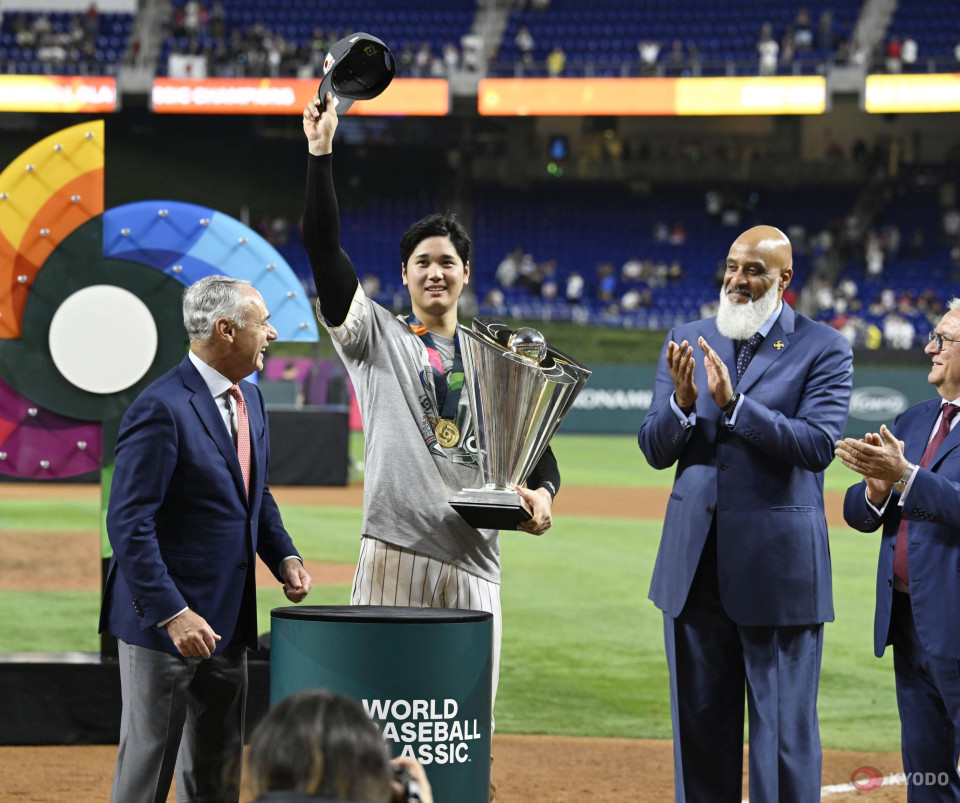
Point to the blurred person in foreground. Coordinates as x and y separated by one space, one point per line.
420 444
910 488
743 570
189 512
315 746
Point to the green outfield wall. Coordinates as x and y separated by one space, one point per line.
617 397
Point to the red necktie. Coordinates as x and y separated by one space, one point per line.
900 566
243 436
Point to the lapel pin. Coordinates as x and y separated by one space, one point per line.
778 345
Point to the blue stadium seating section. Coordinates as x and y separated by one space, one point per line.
434 21
111 45
583 227
918 269
599 38
933 24
580 227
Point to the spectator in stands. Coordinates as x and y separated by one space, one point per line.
575 287
661 232
956 53
803 31
451 58
508 271
422 60
549 287
22 31
891 240
632 270
89 64
769 51
556 61
908 54
678 233
898 332
951 223
693 60
50 51
713 203
636 298
676 64
91 22
606 282
471 46
825 35
217 21
315 744
894 49
525 45
787 46
41 26
649 51
873 254
494 299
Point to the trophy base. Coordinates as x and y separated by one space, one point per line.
489 509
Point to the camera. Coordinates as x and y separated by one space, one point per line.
411 789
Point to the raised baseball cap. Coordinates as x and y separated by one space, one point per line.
358 67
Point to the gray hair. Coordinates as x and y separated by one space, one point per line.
953 303
211 298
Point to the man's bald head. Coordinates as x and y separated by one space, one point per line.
768 242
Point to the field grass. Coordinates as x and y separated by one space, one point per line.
583 647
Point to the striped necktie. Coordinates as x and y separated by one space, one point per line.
243 436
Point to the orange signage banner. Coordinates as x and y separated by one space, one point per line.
938 92
57 93
573 97
404 97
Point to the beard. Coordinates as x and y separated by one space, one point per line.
743 321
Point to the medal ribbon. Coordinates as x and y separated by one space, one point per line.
447 388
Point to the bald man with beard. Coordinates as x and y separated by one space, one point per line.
747 406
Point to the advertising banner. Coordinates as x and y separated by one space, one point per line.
571 97
618 396
405 97
57 93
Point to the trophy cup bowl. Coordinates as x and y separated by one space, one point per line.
519 390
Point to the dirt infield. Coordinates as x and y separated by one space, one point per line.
529 769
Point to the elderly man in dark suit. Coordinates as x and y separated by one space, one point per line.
189 512
743 571
911 486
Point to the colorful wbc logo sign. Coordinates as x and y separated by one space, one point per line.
90 309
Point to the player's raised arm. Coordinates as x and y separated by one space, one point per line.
333 271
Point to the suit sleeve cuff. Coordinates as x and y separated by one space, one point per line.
165 622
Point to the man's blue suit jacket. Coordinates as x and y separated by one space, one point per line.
932 507
762 480
182 531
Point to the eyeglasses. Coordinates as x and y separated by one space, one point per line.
936 337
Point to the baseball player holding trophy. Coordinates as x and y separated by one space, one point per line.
409 371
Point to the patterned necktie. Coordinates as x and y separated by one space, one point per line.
747 349
243 436
900 566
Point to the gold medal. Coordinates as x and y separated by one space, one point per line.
447 433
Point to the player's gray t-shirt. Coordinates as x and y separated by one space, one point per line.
408 476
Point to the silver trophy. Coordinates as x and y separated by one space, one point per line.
519 390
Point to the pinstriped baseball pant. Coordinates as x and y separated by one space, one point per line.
391 575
